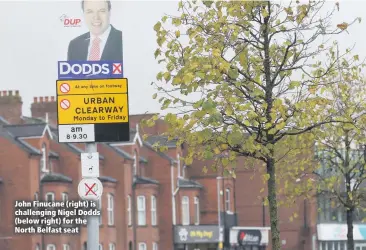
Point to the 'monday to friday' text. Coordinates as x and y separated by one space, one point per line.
99 109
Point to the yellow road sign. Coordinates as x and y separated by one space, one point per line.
90 109
91 87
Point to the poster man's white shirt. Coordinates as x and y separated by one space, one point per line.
103 41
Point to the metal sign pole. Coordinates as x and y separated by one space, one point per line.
93 221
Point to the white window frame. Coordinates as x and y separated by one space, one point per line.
185 211
129 212
44 158
227 200
155 246
142 246
184 171
51 247
65 247
178 165
38 246
196 210
110 209
112 246
141 210
134 162
51 194
65 196
153 211
36 196
100 246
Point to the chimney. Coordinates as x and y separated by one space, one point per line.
11 106
45 108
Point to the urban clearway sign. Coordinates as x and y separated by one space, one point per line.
93 110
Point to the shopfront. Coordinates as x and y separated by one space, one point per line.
334 236
249 238
202 237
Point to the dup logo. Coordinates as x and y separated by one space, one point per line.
89 70
70 22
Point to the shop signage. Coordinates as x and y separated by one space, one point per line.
249 237
334 232
196 234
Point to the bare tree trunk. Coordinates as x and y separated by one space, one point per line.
272 200
349 202
350 241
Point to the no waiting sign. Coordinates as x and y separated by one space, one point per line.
93 110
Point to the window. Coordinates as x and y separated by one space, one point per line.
36 196
112 246
142 246
155 246
51 247
153 210
66 247
129 210
141 210
64 196
185 210
135 163
50 196
44 158
38 247
99 204
100 247
110 209
178 160
184 171
227 200
196 211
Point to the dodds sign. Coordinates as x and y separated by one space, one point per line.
89 69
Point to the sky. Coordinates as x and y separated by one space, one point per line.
33 39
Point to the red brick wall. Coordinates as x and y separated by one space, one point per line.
15 170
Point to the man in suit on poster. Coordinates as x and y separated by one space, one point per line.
103 41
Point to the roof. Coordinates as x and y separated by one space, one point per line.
162 140
185 183
121 152
56 177
3 121
53 154
124 154
29 120
144 180
26 130
107 179
165 156
19 142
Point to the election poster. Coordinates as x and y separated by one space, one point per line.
92 93
89 31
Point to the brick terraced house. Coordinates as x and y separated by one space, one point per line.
151 200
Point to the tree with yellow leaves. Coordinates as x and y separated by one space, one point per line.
341 151
241 77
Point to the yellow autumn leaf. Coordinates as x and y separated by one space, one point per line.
342 26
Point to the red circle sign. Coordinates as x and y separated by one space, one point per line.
64 88
65 104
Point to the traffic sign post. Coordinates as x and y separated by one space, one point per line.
93 110
90 165
93 221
